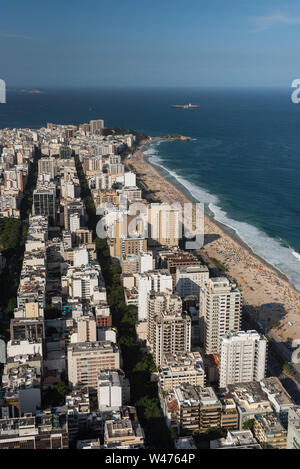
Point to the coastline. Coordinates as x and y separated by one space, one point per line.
226 229
269 293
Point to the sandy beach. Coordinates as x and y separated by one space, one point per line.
267 292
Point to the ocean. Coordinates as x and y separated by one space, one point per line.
243 160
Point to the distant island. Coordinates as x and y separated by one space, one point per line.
31 91
176 137
185 106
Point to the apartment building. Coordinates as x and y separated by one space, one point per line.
220 312
189 279
238 439
27 329
109 390
24 347
229 415
85 360
158 303
179 368
269 432
82 282
164 223
122 246
156 281
87 329
73 207
78 409
137 263
46 166
45 431
250 401
242 357
279 398
171 334
113 390
21 383
96 126
191 408
44 203
131 193
83 236
123 434
92 165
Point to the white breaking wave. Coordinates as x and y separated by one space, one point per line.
296 254
283 258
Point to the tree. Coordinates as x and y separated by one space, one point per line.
137 366
56 396
288 369
11 305
61 389
146 364
248 425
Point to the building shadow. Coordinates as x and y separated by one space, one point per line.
210 238
266 317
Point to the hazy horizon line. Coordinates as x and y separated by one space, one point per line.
112 87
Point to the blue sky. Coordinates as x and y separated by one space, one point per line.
149 43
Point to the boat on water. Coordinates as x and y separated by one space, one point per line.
185 106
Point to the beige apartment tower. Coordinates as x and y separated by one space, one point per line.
85 360
159 303
87 329
172 334
46 166
164 225
269 432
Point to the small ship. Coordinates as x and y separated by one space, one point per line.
185 106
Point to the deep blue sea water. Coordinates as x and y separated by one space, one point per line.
243 161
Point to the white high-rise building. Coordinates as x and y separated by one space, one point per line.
129 179
81 257
242 358
220 312
70 190
190 278
109 391
145 262
82 282
155 280
74 222
103 181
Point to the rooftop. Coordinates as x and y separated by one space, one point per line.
275 390
271 424
89 346
44 423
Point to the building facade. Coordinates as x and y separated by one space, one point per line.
242 357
